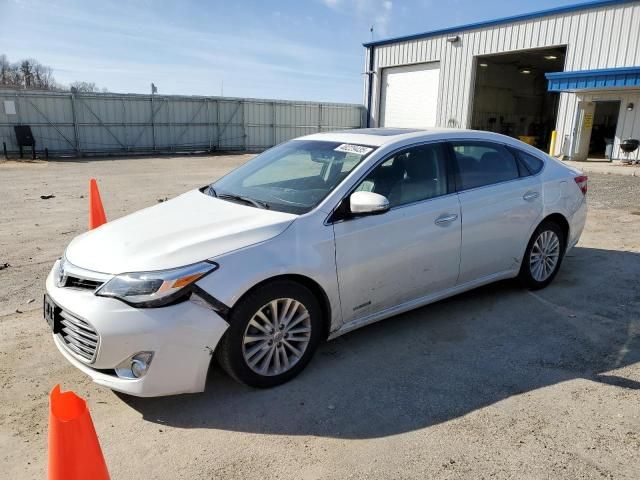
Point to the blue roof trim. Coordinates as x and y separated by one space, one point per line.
604 78
488 23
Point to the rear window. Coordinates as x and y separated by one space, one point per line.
531 164
483 163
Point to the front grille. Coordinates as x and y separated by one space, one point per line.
82 283
78 336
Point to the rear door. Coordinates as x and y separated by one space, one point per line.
500 202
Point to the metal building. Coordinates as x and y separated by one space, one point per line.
575 69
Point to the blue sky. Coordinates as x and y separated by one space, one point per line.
302 50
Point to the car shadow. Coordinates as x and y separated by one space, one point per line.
442 361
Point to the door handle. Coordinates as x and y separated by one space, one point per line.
446 219
529 196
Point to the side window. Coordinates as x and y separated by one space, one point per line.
531 165
415 174
482 163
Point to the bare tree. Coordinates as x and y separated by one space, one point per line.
5 70
28 73
10 73
31 74
85 87
43 76
26 70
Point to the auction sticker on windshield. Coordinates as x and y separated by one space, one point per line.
349 148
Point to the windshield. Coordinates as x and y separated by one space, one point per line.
292 177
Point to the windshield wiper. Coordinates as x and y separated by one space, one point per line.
247 200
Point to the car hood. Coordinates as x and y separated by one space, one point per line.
187 229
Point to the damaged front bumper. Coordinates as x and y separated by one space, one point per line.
181 338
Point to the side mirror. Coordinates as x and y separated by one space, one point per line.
368 203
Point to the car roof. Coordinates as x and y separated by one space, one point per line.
377 137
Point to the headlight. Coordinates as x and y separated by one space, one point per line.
155 289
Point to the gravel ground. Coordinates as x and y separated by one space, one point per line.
494 383
614 191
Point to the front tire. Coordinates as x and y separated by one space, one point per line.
273 332
543 256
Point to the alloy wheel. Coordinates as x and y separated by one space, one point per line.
544 256
276 337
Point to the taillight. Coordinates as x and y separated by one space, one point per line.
582 181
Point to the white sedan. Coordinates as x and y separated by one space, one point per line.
309 240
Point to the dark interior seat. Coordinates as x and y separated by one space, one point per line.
497 168
420 180
491 167
469 170
382 179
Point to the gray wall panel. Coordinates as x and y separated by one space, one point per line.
124 123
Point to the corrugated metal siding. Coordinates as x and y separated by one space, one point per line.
121 123
602 37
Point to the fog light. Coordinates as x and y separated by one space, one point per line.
140 363
135 366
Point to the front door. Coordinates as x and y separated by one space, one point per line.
408 252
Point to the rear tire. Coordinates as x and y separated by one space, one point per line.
273 332
543 256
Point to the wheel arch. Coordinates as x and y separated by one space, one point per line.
560 220
309 283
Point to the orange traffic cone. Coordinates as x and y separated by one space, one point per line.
74 450
96 210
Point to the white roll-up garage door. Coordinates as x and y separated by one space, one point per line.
409 96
